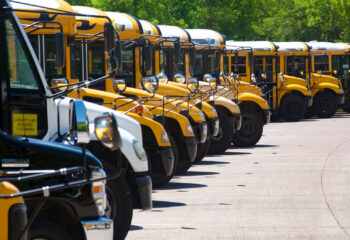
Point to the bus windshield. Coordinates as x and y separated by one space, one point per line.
295 66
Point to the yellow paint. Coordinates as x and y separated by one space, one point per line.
24 124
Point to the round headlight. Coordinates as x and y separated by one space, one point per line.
119 85
252 78
162 78
150 84
179 78
192 85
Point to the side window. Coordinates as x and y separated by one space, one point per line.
198 64
321 63
269 63
240 67
226 64
50 59
75 59
258 63
21 73
96 59
162 60
180 68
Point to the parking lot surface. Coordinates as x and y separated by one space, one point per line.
295 184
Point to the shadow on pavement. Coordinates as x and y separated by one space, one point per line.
198 173
165 204
178 185
135 228
206 162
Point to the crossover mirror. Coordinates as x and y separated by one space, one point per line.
78 122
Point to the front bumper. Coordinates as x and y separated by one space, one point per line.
101 228
308 101
215 126
167 158
267 116
144 188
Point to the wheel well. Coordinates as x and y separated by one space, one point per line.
148 138
173 127
248 106
328 90
223 110
60 213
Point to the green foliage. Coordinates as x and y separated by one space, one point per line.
276 20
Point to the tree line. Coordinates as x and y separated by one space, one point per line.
274 20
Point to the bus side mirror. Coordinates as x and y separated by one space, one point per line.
78 122
177 52
60 50
217 59
250 59
109 37
146 58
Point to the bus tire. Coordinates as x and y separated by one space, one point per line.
325 104
251 129
223 140
45 229
292 108
119 206
203 148
161 181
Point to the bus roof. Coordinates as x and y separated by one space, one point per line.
320 46
206 37
132 25
89 25
255 45
150 29
292 46
175 31
51 6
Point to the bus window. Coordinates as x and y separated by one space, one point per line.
226 64
241 65
75 60
127 67
21 73
269 64
211 64
162 61
198 64
321 63
296 66
96 59
180 67
50 60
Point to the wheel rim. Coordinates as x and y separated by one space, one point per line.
294 108
248 126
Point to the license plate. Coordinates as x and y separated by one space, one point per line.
24 124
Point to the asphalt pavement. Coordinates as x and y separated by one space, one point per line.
294 184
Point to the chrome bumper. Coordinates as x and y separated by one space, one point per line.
101 228
203 129
216 126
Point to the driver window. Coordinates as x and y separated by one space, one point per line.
21 73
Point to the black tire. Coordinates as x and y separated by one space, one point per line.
325 104
119 206
203 148
161 180
45 229
346 110
292 108
222 141
308 113
251 129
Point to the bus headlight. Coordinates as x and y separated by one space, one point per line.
106 131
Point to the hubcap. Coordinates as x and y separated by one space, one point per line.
248 126
294 108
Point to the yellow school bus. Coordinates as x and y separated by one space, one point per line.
135 63
208 59
172 59
295 61
258 62
331 59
